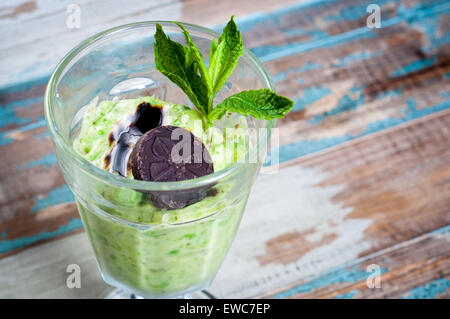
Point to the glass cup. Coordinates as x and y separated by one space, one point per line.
151 252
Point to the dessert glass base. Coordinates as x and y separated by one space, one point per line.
120 293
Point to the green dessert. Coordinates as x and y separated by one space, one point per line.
166 258
166 243
107 119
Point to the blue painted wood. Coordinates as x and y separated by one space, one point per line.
301 148
422 15
340 275
356 272
7 245
430 290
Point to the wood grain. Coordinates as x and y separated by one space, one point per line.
343 204
418 268
343 228
359 87
365 151
55 39
343 90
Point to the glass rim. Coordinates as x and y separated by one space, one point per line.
116 180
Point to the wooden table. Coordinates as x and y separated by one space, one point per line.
365 154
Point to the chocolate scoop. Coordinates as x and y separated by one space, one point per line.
168 154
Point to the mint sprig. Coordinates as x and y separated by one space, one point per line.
225 55
261 104
197 56
177 63
185 67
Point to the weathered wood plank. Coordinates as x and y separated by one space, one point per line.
342 204
344 59
418 268
362 86
22 103
40 272
326 23
55 39
361 97
36 204
383 196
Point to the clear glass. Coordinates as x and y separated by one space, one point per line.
151 252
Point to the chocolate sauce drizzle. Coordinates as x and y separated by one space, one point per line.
127 133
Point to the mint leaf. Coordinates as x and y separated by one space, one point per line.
225 55
261 104
212 50
197 56
178 64
184 66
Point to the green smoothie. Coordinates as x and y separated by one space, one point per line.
173 251
167 240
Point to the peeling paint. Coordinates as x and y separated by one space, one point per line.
430 290
46 161
11 244
56 196
341 275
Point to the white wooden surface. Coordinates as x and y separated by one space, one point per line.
35 35
300 209
40 272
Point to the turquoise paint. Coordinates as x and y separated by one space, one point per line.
430 290
3 234
300 148
5 137
56 196
431 27
32 126
414 66
390 93
410 115
340 275
352 272
8 112
345 103
421 9
11 244
352 13
248 22
360 56
294 150
309 96
361 33
43 135
268 53
313 34
442 231
310 66
359 11
46 161
21 103
410 105
348 295
281 76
